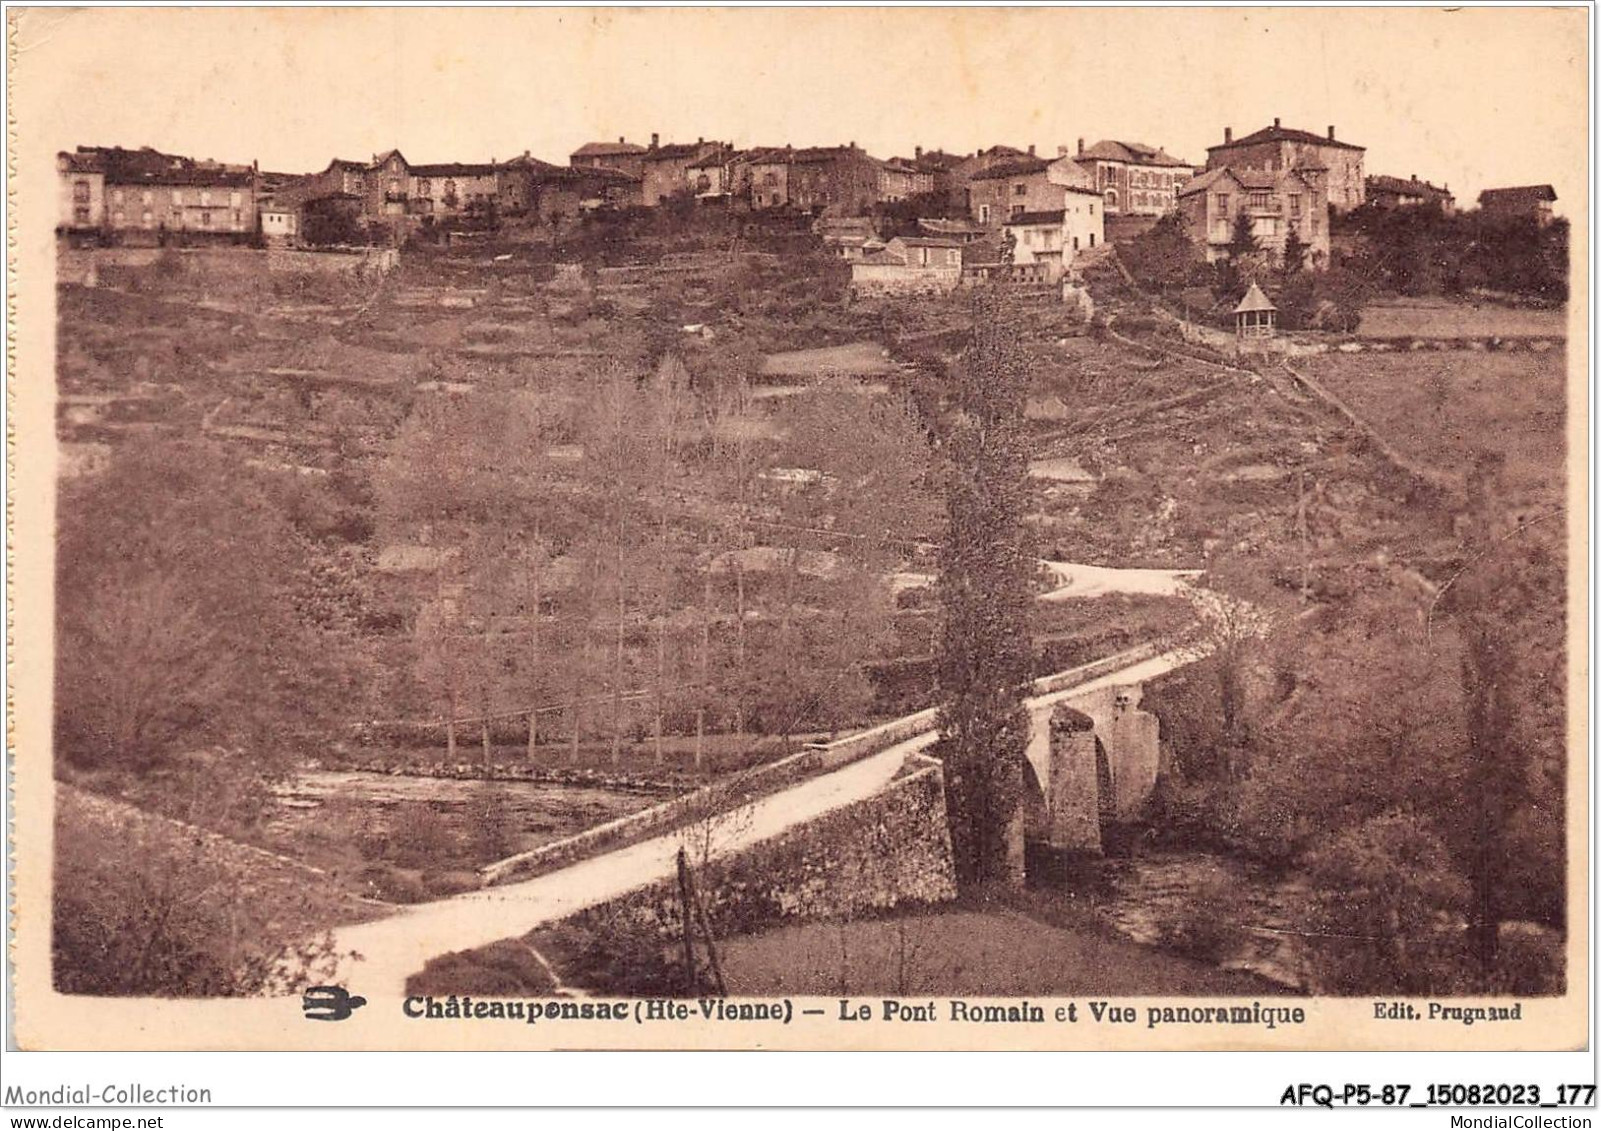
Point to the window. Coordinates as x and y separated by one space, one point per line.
80 192
1222 202
1019 190
238 218
1295 204
922 256
1111 199
1092 239
983 214
1092 210
177 197
147 218
1260 199
1075 243
80 215
235 199
205 219
205 197
1017 210
116 196
117 218
424 186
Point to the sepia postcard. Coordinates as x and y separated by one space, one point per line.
834 528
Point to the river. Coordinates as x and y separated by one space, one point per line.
1228 912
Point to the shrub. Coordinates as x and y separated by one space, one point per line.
1386 895
508 968
142 907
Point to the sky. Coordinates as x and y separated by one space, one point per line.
1472 97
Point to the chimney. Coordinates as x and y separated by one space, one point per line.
622 141
700 141
917 152
655 140
1061 151
1414 178
1331 133
1275 123
1228 134
852 147
1031 151
1081 145
527 153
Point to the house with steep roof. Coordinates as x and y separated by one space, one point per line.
1276 202
1010 188
1529 202
1394 192
1336 166
1134 179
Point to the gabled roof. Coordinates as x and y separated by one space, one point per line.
1405 187
677 151
722 155
383 159
1258 179
609 149
1207 179
342 163
454 169
1254 301
1276 133
151 167
1021 167
1517 194
1033 219
1131 153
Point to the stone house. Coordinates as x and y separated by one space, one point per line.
81 179
1012 188
711 177
909 265
665 168
1134 179
901 179
1529 202
453 189
386 186
1275 201
1393 192
842 179
145 194
1336 166
621 156
1056 238
519 182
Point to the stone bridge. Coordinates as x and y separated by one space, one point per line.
1092 758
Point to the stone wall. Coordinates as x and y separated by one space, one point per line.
884 851
81 265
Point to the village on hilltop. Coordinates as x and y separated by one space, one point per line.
954 216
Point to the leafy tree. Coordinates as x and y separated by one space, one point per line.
1164 258
986 568
187 616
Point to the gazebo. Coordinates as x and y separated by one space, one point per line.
1255 317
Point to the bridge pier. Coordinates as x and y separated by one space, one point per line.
1094 761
